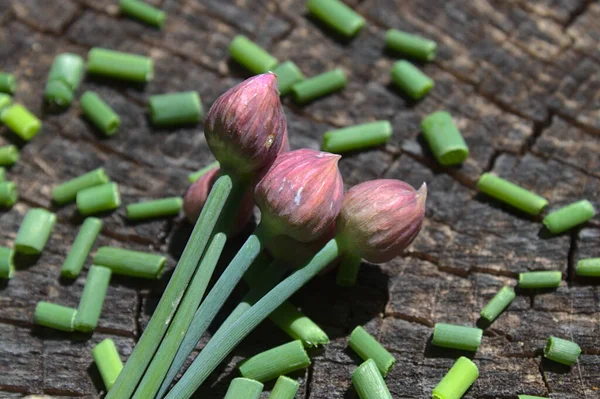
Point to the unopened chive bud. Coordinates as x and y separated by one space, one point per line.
444 138
174 109
414 46
130 263
278 361
55 316
143 12
7 267
68 190
81 247
562 351
498 303
541 279
367 347
22 122
589 267
8 194
244 388
369 383
456 337
411 80
285 388
8 83
357 137
9 154
569 216
337 16
288 74
458 379
92 298
119 65
100 198
510 193
107 360
99 113
34 231
318 86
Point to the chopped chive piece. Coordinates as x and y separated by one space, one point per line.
369 383
81 247
192 177
8 83
8 193
562 351
274 362
298 326
530 397
569 216
104 197
35 231
92 298
107 360
543 279
411 80
251 56
175 108
244 388
319 86
55 316
18 119
510 193
285 388
7 267
288 74
67 191
58 94
414 46
458 379
118 65
499 302
456 337
130 263
2 174
99 113
64 78
143 12
337 16
367 347
357 137
589 267
153 209
5 101
444 138
9 154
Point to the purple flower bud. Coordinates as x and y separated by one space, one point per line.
301 194
245 127
380 218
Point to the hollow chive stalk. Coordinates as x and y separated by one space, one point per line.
81 247
411 80
542 279
288 74
562 351
337 16
22 122
119 65
357 137
107 360
92 298
68 190
34 231
2 174
456 337
55 316
153 209
285 388
63 79
510 193
99 113
7 266
244 388
444 138
130 263
8 83
104 197
458 379
569 216
318 86
9 154
270 364
174 109
367 347
498 303
414 46
251 56
143 12
8 193
192 177
369 383
348 270
589 267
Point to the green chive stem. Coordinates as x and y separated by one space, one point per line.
298 326
7 266
529 397
55 316
118 65
367 347
569 216
411 45
92 298
337 16
444 138
89 231
57 94
562 351
251 56
369 383
288 74
456 337
154 209
107 360
104 197
285 388
8 194
411 80
34 231
510 193
457 381
64 78
498 303
8 83
542 279
270 364
587 267
192 177
2 174
67 191
130 263
357 137
9 154
5 101
348 270
318 86
22 122
175 109
143 12
99 113
244 388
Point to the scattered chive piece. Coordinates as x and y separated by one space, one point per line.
285 388
357 137
298 326
8 83
119 65
444 139
414 46
104 197
337 16
530 397
35 231
8 193
562 351
456 337
569 216
67 191
510 193
55 316
319 86
143 12
9 154
458 379
64 78
5 101
369 383
81 247
7 267
92 298
588 267
288 74
367 347
58 94
274 362
107 360
499 302
244 388
543 279
411 80
21 121
175 108
102 116
2 174
153 209
251 56
192 177
130 263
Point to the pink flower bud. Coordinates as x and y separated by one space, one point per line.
380 218
245 127
301 194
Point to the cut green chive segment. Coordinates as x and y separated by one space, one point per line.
499 302
414 46
143 12
99 113
251 56
543 279
57 94
5 101
457 381
456 337
18 119
337 16
118 65
130 263
55 316
154 209
411 80
2 174
104 197
367 348
587 267
281 360
7 267
35 231
369 383
357 137
562 351
288 74
64 78
107 360
81 247
319 86
8 83
174 109
285 388
569 216
510 193
8 193
192 177
9 154
530 397
244 388
298 326
67 191
92 298
444 138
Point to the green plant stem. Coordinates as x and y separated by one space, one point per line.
348 270
244 388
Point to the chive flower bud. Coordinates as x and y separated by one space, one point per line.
245 127
380 218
